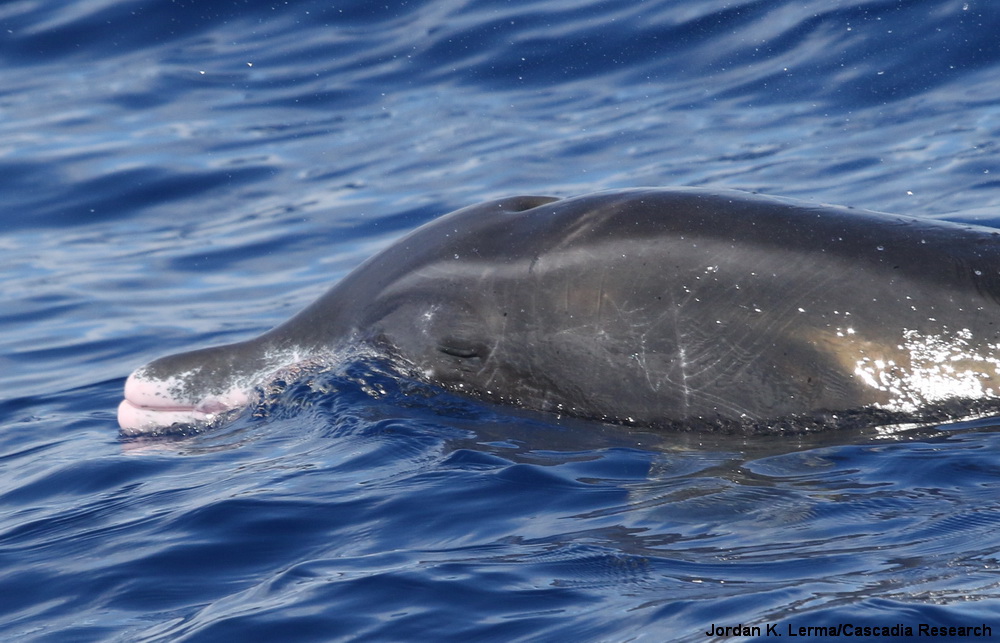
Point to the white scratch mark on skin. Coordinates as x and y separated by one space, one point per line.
682 360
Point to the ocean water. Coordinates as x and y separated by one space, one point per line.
176 174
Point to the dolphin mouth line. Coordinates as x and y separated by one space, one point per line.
206 409
187 408
138 419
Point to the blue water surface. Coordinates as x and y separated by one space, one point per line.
175 174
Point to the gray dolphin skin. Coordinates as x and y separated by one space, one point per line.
667 308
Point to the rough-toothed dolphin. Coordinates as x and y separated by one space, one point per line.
657 307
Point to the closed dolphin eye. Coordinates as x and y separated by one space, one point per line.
460 349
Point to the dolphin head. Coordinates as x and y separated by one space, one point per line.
414 299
